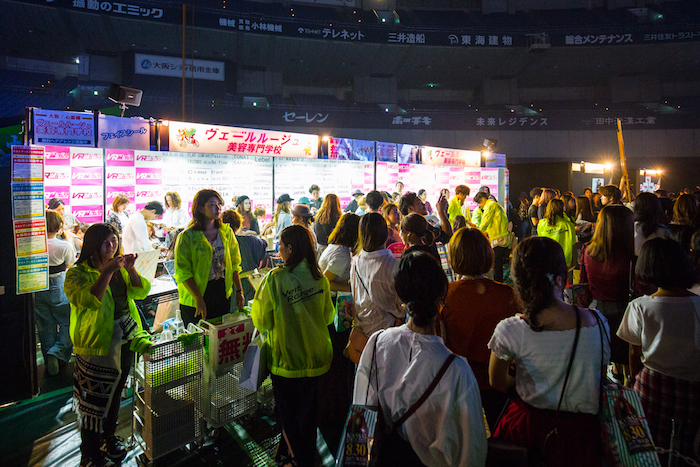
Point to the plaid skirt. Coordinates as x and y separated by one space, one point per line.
665 398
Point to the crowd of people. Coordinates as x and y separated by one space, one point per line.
514 293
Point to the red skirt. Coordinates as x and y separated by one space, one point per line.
665 398
577 443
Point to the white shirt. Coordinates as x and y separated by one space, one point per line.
135 235
640 239
60 251
376 304
541 361
448 429
336 259
668 331
177 218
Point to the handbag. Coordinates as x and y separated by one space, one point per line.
389 447
503 452
358 339
255 369
624 430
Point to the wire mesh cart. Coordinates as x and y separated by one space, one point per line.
225 346
168 397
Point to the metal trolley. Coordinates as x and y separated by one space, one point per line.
168 397
226 343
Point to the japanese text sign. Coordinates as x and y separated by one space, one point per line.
64 128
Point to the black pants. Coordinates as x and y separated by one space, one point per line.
501 255
91 440
214 297
296 407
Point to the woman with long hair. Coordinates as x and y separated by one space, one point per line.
548 194
415 235
685 211
175 216
326 219
584 219
400 363
648 217
662 330
557 226
474 305
540 343
69 220
119 217
391 214
293 304
105 328
569 206
607 268
337 256
282 218
51 306
250 222
207 262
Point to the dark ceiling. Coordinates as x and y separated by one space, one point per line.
54 34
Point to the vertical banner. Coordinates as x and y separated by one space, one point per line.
149 177
120 173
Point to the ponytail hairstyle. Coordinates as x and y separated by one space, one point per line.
416 227
421 284
537 262
301 240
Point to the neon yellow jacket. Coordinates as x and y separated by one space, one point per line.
193 255
493 221
454 209
296 309
563 232
91 319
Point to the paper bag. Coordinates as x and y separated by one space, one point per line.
254 369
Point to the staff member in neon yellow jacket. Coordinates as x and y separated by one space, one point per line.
557 226
294 304
494 223
105 328
207 262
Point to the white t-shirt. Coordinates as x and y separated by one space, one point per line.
177 218
640 239
448 429
668 331
60 251
336 259
135 235
541 361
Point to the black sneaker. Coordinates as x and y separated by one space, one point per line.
114 448
98 461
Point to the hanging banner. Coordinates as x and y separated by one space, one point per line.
491 159
214 139
118 132
161 65
386 152
408 154
27 200
350 149
64 128
30 237
441 156
27 163
32 273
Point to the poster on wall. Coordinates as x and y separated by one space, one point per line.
408 154
216 139
386 152
27 200
57 127
123 133
30 237
442 156
350 149
32 273
27 163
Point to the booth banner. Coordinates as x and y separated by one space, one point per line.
119 158
86 176
387 176
113 191
63 128
149 176
58 175
472 178
86 157
30 237
121 176
491 159
214 139
350 149
89 213
489 178
386 152
408 154
161 65
86 196
57 155
60 192
147 193
152 159
27 163
441 156
32 273
27 200
118 132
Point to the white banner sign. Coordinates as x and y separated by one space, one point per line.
215 139
161 65
443 156
56 127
